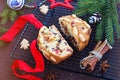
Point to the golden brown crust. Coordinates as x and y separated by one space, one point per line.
51 41
77 29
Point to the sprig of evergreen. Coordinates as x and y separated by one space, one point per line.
88 6
109 24
99 32
115 21
109 30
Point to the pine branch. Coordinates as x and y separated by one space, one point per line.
115 21
109 31
88 6
4 15
99 32
12 15
9 15
107 21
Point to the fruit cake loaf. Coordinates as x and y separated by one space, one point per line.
53 45
76 29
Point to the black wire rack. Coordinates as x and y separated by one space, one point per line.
71 64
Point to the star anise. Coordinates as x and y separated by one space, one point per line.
51 75
104 65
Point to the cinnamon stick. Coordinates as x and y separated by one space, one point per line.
90 61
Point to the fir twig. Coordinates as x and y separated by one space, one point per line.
115 21
99 32
88 6
109 31
4 15
12 15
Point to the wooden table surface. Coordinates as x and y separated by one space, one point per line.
6 60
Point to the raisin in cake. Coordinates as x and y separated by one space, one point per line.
76 29
53 45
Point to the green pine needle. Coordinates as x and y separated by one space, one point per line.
109 31
12 15
88 6
115 21
4 16
4 20
5 12
99 32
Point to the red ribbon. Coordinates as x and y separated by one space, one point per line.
19 25
19 64
24 67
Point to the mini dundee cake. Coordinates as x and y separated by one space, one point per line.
53 46
76 29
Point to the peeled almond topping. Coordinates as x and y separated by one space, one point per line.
73 15
75 31
82 37
76 20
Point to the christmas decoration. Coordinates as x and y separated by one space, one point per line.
44 9
95 18
24 44
51 75
65 4
90 61
103 66
107 8
15 4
